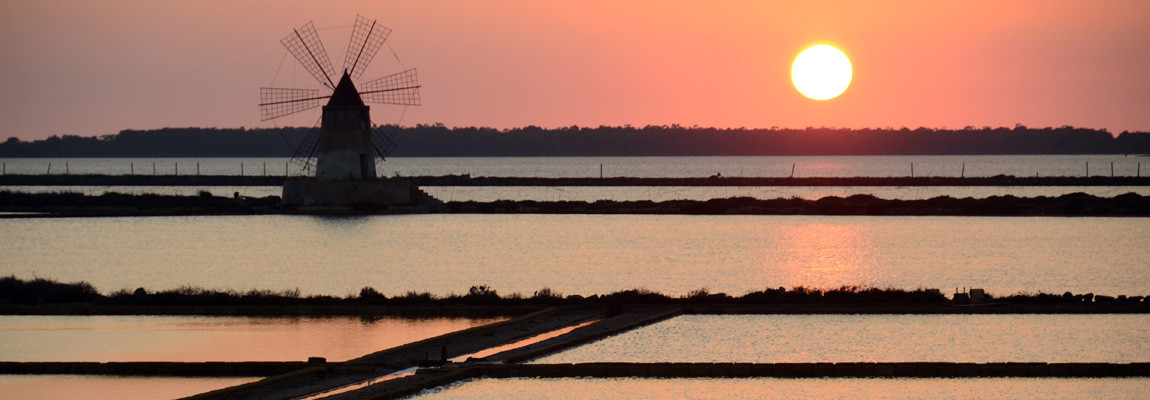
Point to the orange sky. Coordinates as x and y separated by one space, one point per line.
96 67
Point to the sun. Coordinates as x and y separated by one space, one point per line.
821 72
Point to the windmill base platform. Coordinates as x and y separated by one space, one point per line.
377 192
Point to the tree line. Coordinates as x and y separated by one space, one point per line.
531 141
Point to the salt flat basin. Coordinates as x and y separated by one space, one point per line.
1114 338
37 387
197 338
813 388
582 254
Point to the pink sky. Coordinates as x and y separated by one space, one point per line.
97 67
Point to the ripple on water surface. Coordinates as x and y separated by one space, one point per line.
1118 338
199 338
816 388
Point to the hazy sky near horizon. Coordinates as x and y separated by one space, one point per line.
97 67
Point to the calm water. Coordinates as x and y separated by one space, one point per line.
803 166
810 166
196 339
582 254
818 388
876 338
51 387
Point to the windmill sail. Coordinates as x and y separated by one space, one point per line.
382 143
278 102
304 44
400 89
306 149
366 38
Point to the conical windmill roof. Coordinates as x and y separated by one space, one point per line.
345 93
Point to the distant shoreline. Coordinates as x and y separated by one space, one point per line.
603 141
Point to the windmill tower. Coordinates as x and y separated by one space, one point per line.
344 146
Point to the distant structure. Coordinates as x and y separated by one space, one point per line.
344 146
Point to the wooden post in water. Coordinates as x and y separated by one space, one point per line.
912 170
1088 169
265 168
153 169
68 170
177 166
1111 169
49 169
792 170
1139 170
5 169
600 171
286 169
963 174
197 168
131 168
241 169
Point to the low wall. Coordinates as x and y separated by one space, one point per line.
310 192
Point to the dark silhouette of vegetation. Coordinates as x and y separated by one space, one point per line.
674 140
39 290
1073 204
15 291
133 204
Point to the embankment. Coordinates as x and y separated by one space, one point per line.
26 205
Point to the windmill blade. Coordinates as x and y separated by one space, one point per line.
382 143
305 152
366 39
400 89
278 102
304 44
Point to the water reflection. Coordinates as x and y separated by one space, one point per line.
823 255
50 387
581 254
189 339
818 388
1116 338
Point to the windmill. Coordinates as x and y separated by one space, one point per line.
344 145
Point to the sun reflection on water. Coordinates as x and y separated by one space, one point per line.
822 255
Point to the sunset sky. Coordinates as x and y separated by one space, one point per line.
97 67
